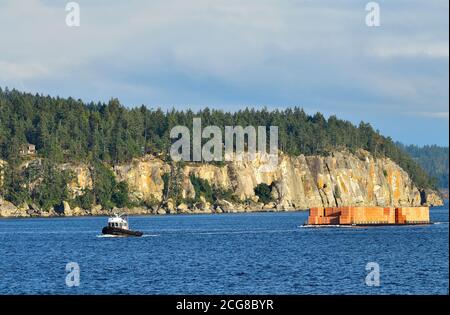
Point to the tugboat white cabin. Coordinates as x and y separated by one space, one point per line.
118 222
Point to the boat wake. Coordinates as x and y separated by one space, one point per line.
121 236
325 226
241 232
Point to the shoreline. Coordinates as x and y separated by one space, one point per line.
153 214
185 213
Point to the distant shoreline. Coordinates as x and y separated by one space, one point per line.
446 201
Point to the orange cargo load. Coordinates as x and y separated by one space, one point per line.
332 212
368 215
316 212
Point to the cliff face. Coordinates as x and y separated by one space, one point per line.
341 179
298 182
432 198
144 177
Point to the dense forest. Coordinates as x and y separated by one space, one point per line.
433 159
68 130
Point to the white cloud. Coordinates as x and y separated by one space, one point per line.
433 50
310 53
441 115
21 71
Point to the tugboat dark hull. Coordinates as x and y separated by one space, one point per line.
120 232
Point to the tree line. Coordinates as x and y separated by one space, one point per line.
70 130
433 159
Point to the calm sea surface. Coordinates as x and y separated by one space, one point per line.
259 253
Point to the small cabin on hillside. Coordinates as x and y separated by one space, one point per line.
28 149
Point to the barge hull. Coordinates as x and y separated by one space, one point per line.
120 232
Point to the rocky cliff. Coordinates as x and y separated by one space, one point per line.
297 183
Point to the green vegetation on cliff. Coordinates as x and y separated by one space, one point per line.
40 183
68 130
202 189
43 185
433 159
106 190
263 191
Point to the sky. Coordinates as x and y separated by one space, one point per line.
232 54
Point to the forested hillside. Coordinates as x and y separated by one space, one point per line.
433 159
69 130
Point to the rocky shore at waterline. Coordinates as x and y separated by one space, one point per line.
7 209
296 183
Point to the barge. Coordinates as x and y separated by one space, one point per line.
366 216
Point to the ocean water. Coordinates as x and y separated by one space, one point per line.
258 253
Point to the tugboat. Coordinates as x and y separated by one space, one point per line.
118 226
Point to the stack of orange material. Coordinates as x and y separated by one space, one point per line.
316 212
412 215
400 218
332 211
331 220
313 220
373 215
346 216
424 214
368 215
320 216
389 213
316 216
359 214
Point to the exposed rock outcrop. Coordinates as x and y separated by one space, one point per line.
431 198
144 177
297 182
7 209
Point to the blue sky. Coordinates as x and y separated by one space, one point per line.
229 54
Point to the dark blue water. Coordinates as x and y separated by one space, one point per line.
265 253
